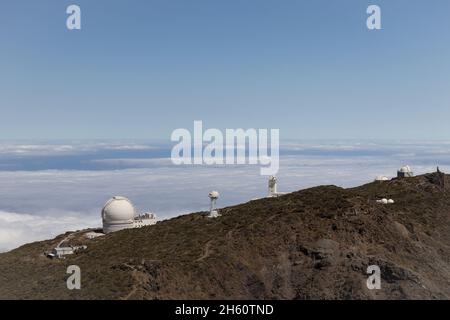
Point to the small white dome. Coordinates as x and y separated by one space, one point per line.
390 201
384 201
381 178
118 213
214 195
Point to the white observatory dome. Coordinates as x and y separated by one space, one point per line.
381 178
117 214
405 169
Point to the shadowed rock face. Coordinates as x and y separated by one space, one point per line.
311 244
437 178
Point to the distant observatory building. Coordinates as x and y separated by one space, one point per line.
405 172
119 213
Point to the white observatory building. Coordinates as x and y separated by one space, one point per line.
119 213
381 178
405 172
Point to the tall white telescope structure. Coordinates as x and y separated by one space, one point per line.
213 196
273 192
272 186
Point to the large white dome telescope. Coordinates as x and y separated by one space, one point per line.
117 214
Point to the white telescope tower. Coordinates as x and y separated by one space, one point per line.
273 192
213 196
272 186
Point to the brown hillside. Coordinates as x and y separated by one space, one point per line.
310 244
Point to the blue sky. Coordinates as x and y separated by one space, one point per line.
140 69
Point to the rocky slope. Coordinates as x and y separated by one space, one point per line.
311 244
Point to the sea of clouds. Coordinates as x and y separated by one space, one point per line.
49 188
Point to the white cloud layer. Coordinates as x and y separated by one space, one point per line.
17 229
49 149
